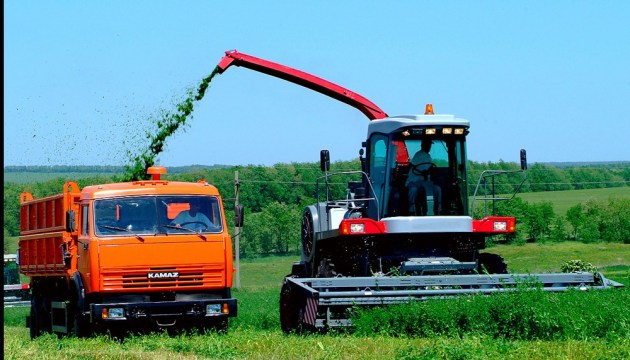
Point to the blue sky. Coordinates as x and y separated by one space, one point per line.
83 80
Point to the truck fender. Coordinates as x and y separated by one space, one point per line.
80 289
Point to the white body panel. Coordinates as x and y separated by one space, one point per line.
428 224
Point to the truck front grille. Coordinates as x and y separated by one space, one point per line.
188 277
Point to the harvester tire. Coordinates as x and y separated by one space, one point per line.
491 264
289 308
308 233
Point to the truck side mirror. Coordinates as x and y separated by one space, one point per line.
523 159
324 160
71 221
239 214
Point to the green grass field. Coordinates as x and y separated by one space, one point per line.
256 334
563 200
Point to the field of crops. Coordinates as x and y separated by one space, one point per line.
561 326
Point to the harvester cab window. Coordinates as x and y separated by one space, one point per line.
446 174
443 190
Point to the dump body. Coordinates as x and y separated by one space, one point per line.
112 256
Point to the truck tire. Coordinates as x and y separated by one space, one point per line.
41 321
491 264
34 322
80 325
218 325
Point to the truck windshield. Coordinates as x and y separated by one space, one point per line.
149 215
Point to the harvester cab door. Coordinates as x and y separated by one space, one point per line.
378 151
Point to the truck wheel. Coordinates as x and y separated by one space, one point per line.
80 326
34 327
289 309
221 326
491 264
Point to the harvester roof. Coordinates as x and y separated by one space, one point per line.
394 123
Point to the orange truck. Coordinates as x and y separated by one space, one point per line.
116 257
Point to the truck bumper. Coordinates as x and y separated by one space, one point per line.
163 313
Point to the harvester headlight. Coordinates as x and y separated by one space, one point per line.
447 131
500 226
357 228
113 313
429 131
459 131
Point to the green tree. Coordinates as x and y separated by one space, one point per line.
590 228
615 224
538 218
558 228
542 177
575 217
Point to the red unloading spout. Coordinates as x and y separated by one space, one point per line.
368 108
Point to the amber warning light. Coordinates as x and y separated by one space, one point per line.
428 109
156 171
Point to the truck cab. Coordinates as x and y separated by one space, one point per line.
143 255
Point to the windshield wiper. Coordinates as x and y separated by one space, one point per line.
122 229
185 228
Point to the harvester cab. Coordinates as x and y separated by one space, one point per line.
401 228
406 211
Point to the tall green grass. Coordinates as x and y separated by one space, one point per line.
520 315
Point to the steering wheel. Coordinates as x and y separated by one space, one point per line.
205 226
417 171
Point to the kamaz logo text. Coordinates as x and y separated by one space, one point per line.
164 275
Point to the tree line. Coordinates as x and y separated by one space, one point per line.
275 196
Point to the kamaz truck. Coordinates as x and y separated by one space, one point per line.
112 258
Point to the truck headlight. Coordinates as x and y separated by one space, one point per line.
212 309
113 313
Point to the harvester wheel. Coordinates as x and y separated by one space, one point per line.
289 308
307 233
491 264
